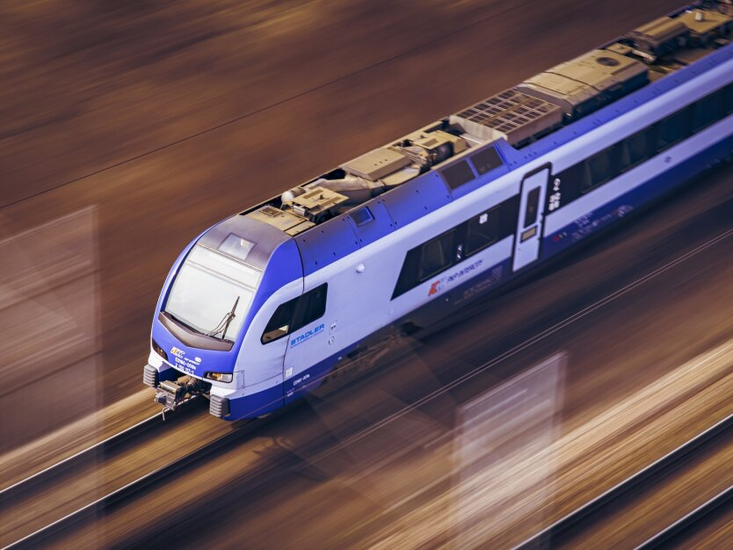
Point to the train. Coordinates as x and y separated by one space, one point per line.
263 307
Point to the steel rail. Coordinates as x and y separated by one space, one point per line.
90 510
655 469
688 520
78 458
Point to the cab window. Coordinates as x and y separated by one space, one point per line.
312 307
280 322
296 313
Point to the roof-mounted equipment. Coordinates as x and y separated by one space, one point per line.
513 115
588 82
706 26
316 204
660 37
725 7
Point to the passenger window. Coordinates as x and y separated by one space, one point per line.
601 167
708 110
729 99
572 180
533 201
436 255
483 230
673 129
312 307
635 150
280 322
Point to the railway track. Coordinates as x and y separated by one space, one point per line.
78 459
638 491
73 479
228 437
689 521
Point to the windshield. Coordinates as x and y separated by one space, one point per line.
210 287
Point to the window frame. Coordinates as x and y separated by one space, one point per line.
297 315
421 277
482 155
494 218
686 113
452 171
291 316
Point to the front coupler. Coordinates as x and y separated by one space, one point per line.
173 393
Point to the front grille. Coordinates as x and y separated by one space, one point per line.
150 376
219 406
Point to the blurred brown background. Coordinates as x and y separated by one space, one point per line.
130 127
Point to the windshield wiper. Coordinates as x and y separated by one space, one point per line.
223 325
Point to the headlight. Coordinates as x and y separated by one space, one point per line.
157 349
219 376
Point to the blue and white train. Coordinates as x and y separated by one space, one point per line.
261 307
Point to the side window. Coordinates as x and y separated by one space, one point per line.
601 167
673 129
635 150
295 314
728 92
440 253
708 110
312 306
279 324
483 230
408 275
436 255
571 181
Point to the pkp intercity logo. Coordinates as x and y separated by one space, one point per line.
440 284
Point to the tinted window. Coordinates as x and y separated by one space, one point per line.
449 248
295 314
533 202
635 150
436 255
571 181
486 160
279 324
483 230
312 306
728 92
673 129
708 110
457 174
601 167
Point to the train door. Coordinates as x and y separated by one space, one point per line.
530 222
307 341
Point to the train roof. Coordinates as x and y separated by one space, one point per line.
389 187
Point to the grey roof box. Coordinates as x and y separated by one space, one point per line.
659 37
588 82
512 115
